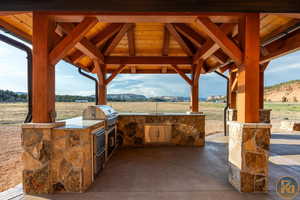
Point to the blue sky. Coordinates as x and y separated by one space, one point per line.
13 76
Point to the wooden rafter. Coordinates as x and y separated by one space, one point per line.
210 47
98 40
131 41
114 74
117 38
182 74
166 42
199 41
218 36
65 45
179 39
84 45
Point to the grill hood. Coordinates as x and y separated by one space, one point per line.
99 112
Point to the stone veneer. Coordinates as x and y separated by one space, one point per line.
186 129
248 156
264 115
57 158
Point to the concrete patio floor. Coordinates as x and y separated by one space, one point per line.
184 173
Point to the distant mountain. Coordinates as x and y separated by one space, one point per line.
126 97
9 96
283 92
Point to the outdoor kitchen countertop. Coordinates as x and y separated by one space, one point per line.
161 114
79 123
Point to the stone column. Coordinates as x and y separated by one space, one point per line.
248 156
36 142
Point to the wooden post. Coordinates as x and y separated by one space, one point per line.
248 71
195 97
102 91
43 79
261 89
232 90
195 86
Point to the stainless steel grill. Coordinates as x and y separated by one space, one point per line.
107 113
101 112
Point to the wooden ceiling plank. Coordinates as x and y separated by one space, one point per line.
218 36
179 39
65 45
84 45
114 74
166 42
182 74
16 31
118 38
131 41
155 60
98 40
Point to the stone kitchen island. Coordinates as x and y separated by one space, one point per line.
58 156
181 129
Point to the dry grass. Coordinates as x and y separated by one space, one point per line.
13 114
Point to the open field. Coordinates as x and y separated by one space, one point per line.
13 114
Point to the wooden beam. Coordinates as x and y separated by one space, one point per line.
198 41
210 47
114 74
218 36
225 68
43 74
64 46
131 41
118 38
166 42
155 60
248 73
179 39
282 47
182 74
16 31
145 18
84 45
98 40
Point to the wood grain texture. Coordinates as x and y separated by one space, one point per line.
43 79
62 48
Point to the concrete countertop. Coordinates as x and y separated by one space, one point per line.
161 114
79 123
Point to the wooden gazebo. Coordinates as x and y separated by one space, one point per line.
163 37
